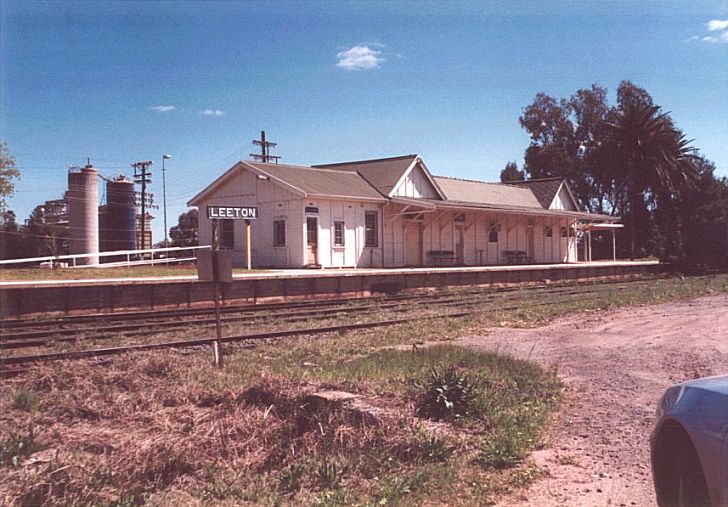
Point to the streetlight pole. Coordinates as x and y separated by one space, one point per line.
164 198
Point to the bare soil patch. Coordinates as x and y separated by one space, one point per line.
616 364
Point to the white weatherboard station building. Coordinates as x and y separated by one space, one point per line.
393 213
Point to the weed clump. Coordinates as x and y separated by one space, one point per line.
24 400
447 394
18 444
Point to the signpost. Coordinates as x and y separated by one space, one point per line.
246 213
215 266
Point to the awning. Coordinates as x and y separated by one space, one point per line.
434 204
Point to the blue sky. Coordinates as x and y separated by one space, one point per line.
122 82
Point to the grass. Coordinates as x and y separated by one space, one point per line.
22 274
166 428
150 428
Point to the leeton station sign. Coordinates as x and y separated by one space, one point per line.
232 212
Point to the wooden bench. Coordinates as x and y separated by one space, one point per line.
442 257
516 257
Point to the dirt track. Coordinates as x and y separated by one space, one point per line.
616 365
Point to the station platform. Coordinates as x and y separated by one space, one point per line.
28 298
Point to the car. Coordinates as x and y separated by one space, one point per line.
689 445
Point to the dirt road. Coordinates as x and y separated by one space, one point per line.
616 365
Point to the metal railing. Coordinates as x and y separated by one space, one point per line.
133 258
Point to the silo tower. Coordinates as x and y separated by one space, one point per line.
118 224
83 213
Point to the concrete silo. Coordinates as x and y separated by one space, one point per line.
118 219
83 213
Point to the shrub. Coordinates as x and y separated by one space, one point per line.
18 444
448 393
24 400
504 449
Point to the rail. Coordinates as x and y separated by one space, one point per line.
133 258
446 305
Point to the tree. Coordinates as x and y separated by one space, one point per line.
10 237
511 173
186 232
659 160
565 142
697 212
43 236
627 159
8 172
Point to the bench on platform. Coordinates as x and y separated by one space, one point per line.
516 257
442 257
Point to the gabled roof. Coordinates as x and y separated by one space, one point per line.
314 181
495 194
384 174
376 180
546 189
305 181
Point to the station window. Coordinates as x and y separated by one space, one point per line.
548 232
564 232
279 233
338 233
493 234
227 234
371 229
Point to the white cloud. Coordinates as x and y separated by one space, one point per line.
722 38
717 24
212 112
714 25
162 109
360 58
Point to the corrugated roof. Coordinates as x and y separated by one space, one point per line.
502 208
383 174
481 192
544 189
320 182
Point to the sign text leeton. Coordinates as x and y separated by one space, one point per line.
232 212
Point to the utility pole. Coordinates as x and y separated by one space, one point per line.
165 156
265 146
142 177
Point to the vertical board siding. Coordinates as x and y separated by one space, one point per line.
562 200
416 185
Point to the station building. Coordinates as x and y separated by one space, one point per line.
394 213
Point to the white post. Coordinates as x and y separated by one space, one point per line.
248 256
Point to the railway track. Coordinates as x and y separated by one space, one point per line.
18 339
458 304
34 328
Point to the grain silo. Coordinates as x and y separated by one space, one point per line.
118 224
83 213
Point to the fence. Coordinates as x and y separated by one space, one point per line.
133 258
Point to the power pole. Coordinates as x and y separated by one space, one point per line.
265 147
142 177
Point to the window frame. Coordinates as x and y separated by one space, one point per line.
371 232
279 228
339 233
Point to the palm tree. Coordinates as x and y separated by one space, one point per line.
656 156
